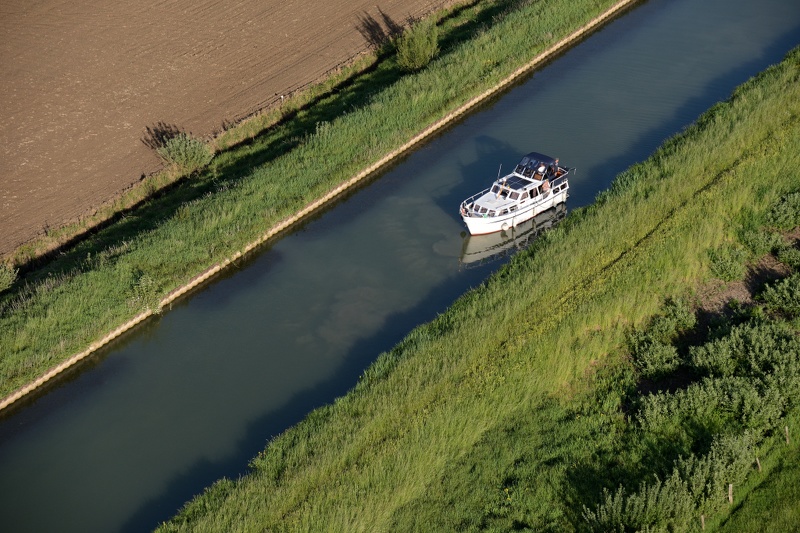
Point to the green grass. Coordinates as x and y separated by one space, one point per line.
771 501
59 309
479 420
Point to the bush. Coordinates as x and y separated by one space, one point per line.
761 242
652 347
185 153
786 214
418 45
8 276
707 477
657 506
783 296
749 349
728 262
697 485
657 360
146 294
790 256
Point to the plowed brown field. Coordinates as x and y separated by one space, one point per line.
83 79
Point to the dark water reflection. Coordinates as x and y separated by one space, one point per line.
192 396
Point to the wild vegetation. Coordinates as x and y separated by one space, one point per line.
418 45
8 275
185 153
57 310
619 404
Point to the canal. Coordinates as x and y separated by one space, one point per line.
191 396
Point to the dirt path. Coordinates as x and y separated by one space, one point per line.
82 80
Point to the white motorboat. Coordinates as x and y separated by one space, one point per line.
537 183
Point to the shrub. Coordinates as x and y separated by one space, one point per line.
761 242
783 296
790 256
8 276
749 349
653 353
418 45
657 506
657 360
185 153
728 262
146 294
786 213
707 477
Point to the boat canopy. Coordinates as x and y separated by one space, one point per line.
532 161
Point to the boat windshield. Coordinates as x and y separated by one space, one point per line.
505 191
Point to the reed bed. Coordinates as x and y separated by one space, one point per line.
492 415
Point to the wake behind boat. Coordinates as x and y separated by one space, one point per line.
537 183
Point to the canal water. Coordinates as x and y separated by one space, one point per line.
193 395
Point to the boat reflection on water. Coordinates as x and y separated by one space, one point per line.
481 249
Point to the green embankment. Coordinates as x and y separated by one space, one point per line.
107 280
520 404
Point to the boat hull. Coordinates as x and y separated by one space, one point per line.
491 224
479 249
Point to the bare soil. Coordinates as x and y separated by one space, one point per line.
713 298
83 80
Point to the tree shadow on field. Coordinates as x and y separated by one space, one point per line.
350 94
157 135
375 33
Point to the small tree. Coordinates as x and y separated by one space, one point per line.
185 153
418 45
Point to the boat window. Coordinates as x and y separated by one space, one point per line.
525 195
527 172
515 195
495 188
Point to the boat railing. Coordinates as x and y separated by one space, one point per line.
553 183
469 201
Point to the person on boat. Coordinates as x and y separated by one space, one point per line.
554 168
541 169
545 186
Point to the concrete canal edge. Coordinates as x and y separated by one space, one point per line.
318 204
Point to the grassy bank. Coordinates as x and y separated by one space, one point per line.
129 267
515 412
